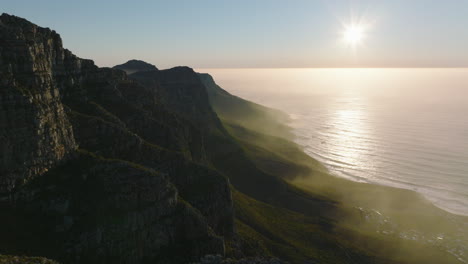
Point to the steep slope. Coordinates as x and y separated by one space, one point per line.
179 89
31 112
245 113
94 169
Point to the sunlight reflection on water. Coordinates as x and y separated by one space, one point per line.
400 127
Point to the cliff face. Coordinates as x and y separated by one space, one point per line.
100 167
97 210
35 132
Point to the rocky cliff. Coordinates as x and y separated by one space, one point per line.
99 168
35 132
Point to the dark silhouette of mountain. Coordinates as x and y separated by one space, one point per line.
132 66
132 164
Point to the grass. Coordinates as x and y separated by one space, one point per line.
268 229
275 155
293 236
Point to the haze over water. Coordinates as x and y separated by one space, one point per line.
401 127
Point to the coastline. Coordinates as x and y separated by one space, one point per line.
361 145
457 244
374 210
378 211
409 209
359 179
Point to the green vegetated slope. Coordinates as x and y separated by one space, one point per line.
246 113
349 222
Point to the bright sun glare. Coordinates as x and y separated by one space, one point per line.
354 34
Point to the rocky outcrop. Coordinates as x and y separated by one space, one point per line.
97 210
35 133
116 134
101 167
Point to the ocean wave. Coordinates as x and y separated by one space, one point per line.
398 160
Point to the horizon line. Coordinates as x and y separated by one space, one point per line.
405 67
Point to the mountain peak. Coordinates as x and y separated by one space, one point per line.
132 66
206 77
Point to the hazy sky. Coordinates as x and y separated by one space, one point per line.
256 33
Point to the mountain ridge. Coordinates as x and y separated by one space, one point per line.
134 65
72 100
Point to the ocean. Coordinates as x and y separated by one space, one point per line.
406 128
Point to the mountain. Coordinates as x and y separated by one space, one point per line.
133 164
234 109
132 66
96 169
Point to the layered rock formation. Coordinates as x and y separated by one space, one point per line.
100 167
35 132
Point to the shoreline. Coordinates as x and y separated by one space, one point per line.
388 184
359 179
380 212
397 186
453 242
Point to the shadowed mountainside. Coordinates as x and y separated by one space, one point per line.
96 168
230 107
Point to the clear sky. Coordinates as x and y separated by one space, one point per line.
256 33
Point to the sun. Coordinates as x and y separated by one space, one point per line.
354 34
